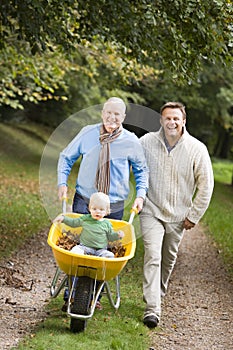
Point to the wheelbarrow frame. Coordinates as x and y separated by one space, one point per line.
84 266
56 288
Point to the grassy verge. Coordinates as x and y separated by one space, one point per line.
219 218
21 211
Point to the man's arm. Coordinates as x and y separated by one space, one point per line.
141 175
204 178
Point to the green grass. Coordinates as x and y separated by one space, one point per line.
223 170
219 216
22 215
21 211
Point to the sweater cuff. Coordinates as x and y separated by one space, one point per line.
141 193
192 219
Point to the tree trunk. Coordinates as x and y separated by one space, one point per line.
222 146
225 145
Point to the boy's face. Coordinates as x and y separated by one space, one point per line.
113 115
97 211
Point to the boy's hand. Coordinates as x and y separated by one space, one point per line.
121 234
59 219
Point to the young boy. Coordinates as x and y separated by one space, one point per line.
96 231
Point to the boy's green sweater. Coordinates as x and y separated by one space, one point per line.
95 233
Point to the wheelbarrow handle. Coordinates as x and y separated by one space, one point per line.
64 202
133 212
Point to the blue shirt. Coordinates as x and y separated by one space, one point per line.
125 152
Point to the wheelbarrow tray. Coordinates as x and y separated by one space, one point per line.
102 269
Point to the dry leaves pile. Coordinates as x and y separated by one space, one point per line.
68 240
117 248
12 278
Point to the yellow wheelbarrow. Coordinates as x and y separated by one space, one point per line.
93 272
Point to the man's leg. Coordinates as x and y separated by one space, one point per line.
152 234
117 211
80 204
171 242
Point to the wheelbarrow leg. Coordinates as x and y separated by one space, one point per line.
54 289
115 303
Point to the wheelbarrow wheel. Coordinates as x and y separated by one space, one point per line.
82 303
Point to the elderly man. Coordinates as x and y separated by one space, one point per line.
180 189
108 152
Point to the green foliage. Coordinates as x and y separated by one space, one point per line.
30 79
208 101
214 120
102 73
84 78
140 28
39 22
40 41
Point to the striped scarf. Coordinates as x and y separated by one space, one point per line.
103 170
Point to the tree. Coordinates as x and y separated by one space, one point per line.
172 36
173 31
208 101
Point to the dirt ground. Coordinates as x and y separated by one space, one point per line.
197 311
24 290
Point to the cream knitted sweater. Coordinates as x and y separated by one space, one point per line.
175 177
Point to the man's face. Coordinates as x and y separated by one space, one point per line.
113 115
172 122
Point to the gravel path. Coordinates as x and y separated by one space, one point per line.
24 290
197 311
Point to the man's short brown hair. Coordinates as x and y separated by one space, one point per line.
174 105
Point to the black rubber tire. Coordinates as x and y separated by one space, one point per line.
82 303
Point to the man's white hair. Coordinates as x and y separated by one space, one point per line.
116 100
